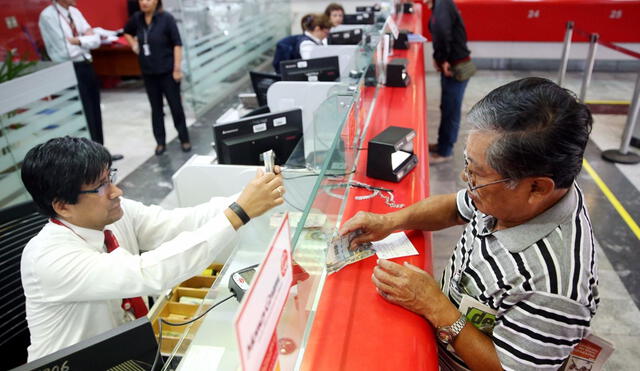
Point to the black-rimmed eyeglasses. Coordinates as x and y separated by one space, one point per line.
102 189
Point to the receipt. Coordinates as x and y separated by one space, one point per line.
394 246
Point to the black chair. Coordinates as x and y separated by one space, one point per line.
18 224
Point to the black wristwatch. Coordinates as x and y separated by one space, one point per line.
239 212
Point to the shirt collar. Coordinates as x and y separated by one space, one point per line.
93 237
518 238
317 41
62 10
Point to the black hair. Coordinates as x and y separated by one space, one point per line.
543 130
57 169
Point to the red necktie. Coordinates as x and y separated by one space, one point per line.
135 305
72 25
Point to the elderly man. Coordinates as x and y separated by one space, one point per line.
526 255
86 270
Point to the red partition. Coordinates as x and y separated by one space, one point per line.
354 327
535 20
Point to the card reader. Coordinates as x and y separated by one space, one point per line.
239 281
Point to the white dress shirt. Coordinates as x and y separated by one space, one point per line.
55 29
307 46
74 288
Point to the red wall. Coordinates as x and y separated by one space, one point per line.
108 14
544 20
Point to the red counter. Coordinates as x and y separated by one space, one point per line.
354 327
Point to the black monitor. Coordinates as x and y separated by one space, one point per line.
132 346
261 82
349 37
314 69
359 18
242 142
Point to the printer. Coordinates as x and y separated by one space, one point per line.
397 75
390 154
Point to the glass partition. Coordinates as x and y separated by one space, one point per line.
317 186
223 40
35 108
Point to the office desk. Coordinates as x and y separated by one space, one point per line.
115 60
354 327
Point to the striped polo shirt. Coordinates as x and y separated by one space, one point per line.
541 278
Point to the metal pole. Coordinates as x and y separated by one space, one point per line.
623 155
591 59
568 34
632 118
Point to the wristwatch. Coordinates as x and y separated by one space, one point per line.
446 334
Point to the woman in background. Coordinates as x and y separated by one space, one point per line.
316 28
335 13
153 35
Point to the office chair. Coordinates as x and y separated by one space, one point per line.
18 224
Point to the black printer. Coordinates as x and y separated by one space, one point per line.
390 154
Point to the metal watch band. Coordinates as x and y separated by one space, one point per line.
458 325
239 212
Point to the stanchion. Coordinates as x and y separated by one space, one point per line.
623 155
565 53
588 69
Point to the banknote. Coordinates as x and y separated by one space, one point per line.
339 255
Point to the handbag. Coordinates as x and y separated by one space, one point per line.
463 71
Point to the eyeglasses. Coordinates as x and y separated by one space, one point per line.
471 183
102 189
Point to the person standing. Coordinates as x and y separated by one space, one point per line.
451 58
154 37
68 36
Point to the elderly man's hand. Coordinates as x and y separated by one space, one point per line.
374 227
415 290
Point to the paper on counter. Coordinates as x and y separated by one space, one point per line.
395 245
201 357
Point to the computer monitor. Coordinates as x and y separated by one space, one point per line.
132 346
314 69
359 18
350 37
242 142
261 82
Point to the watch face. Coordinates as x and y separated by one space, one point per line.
444 335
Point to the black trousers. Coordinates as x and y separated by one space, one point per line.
158 86
89 89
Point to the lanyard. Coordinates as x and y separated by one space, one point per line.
56 221
69 20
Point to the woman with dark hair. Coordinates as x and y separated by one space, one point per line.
153 35
316 28
335 13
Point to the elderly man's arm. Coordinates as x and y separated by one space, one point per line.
417 291
431 214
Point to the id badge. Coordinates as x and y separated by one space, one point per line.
146 50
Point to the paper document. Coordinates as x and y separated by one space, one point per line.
398 157
394 246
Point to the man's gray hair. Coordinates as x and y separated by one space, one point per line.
542 130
